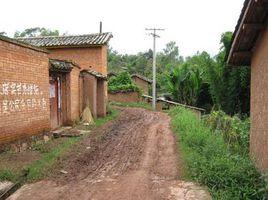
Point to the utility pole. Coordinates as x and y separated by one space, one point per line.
153 33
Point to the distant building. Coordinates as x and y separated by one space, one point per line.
142 82
46 82
250 47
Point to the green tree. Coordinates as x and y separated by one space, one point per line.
229 86
36 32
184 83
3 33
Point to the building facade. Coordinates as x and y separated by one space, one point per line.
250 48
24 94
44 82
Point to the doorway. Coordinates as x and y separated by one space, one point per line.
55 101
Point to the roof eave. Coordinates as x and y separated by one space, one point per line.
238 30
74 46
247 32
23 44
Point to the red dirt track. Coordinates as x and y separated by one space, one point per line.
135 159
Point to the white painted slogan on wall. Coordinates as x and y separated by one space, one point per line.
17 97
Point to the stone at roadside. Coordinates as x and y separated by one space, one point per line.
46 138
24 147
63 172
188 191
5 186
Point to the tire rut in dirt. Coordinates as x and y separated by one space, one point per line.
119 149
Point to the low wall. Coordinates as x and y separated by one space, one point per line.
124 97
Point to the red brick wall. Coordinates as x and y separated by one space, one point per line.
75 95
24 92
90 93
94 57
259 103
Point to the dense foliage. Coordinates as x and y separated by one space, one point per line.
234 130
199 80
36 32
122 82
209 160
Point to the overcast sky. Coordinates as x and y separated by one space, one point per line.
195 25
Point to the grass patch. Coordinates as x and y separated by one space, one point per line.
7 174
209 161
50 152
39 168
132 105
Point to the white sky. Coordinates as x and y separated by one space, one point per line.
193 24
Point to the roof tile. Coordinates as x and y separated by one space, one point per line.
75 40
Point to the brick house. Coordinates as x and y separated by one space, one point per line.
44 82
142 82
250 48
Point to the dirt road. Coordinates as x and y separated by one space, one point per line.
134 159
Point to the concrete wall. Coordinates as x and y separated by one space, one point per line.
144 85
24 92
124 97
94 58
259 102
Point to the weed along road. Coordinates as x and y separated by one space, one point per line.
132 157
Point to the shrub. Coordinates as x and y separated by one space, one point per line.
208 160
122 82
234 130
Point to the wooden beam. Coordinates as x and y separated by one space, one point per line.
240 28
255 26
243 54
262 3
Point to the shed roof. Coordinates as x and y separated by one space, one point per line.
61 65
95 74
22 44
142 78
252 21
67 41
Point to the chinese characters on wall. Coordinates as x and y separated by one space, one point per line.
17 97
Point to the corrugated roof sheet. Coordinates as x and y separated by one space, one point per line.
75 40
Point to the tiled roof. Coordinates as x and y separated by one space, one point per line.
60 65
75 40
22 44
142 78
96 74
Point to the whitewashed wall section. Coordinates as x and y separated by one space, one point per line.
18 97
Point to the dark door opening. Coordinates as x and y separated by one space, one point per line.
55 101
